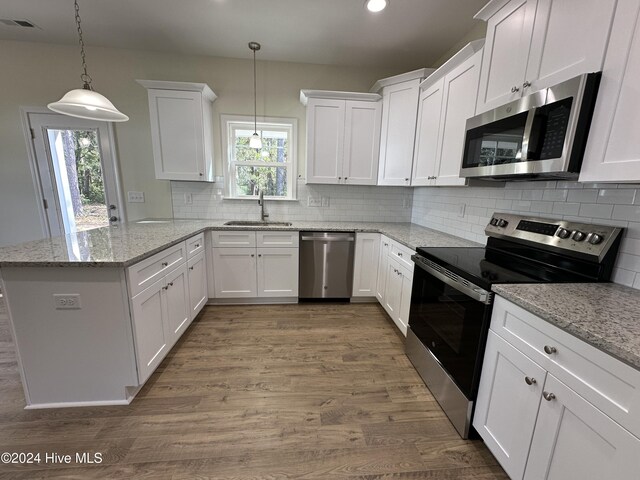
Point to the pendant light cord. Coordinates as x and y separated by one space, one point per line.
255 95
86 78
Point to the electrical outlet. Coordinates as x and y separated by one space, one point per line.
325 201
461 209
135 197
67 301
188 199
314 201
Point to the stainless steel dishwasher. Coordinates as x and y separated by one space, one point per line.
326 264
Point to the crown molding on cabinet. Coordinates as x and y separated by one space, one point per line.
403 77
468 51
490 9
305 95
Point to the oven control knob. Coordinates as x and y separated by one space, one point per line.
595 239
494 221
563 233
502 223
578 236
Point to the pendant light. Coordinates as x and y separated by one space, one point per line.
85 102
255 141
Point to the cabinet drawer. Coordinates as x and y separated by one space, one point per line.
609 384
144 273
402 254
195 245
228 238
277 239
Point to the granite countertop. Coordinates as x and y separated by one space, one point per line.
129 243
605 315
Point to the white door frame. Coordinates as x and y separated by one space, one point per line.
110 156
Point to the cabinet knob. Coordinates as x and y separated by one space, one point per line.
406 179
339 178
201 174
548 396
170 284
197 245
165 264
526 84
346 178
113 218
530 380
165 288
386 244
549 350
399 254
190 268
259 255
252 255
515 89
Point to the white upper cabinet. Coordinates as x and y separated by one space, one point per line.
447 100
613 148
181 116
400 95
534 44
343 136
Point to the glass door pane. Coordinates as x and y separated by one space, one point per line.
77 168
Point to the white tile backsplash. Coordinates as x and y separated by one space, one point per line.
603 203
344 203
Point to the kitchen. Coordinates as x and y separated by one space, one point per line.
461 211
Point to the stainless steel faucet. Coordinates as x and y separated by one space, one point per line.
263 215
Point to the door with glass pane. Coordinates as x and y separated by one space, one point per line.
77 172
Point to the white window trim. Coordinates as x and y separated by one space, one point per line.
226 119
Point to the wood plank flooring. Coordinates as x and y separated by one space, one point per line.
313 391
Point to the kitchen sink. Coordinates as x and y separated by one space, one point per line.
257 223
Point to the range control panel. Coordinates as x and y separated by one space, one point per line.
582 238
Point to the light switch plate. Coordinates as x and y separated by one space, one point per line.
325 201
135 197
461 209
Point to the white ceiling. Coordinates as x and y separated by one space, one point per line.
408 34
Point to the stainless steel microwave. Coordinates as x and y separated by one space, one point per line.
541 135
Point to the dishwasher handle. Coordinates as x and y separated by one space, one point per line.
336 238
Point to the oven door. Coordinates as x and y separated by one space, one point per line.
450 316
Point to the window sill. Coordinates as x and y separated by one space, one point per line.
267 199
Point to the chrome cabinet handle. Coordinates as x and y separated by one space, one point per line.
549 350
515 89
526 84
165 264
548 396
530 380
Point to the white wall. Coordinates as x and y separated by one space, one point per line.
607 204
35 74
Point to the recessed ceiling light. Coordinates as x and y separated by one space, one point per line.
376 5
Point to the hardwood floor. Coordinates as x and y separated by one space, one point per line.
314 391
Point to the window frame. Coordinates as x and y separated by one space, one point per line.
229 123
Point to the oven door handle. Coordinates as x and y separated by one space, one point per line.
473 291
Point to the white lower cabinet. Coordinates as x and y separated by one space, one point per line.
198 288
234 272
177 302
277 272
395 281
539 427
257 272
365 265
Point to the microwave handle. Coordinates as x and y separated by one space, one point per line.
528 135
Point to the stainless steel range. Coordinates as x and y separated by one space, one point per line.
451 300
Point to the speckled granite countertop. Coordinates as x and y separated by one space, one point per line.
127 244
606 315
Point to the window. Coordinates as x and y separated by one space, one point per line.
270 169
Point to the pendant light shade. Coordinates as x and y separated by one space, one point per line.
84 102
255 141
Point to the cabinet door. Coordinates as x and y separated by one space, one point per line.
613 148
383 263
361 142
151 331
425 154
177 134
399 116
405 300
573 439
198 288
365 267
177 302
325 140
505 55
569 38
460 95
234 272
393 289
277 272
507 405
